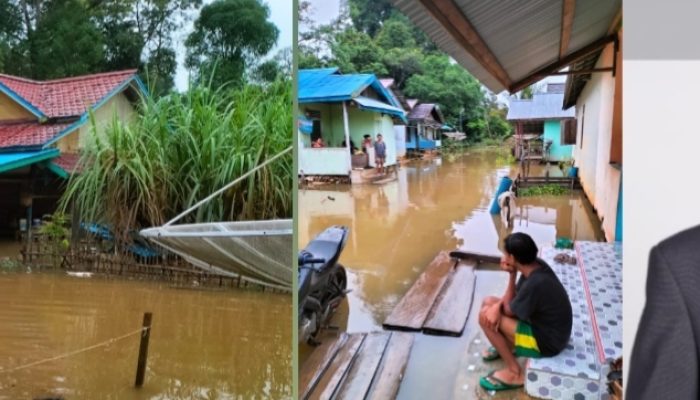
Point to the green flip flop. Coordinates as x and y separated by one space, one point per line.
492 354
499 385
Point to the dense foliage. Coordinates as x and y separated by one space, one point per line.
371 36
47 39
227 37
183 147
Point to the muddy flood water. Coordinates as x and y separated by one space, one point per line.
205 344
396 230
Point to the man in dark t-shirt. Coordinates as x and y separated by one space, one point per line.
533 318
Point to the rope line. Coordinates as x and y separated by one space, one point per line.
72 353
227 186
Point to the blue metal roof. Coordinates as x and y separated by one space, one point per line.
327 85
10 161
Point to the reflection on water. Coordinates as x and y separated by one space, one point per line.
396 229
204 344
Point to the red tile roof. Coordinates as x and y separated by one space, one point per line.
67 162
24 134
68 97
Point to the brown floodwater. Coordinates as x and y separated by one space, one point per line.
396 229
205 344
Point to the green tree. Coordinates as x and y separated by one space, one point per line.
355 51
67 42
450 86
368 15
228 35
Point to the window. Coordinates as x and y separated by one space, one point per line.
533 127
568 131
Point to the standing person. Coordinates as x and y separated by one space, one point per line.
379 154
533 318
366 145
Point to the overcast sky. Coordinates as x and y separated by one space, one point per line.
323 11
280 15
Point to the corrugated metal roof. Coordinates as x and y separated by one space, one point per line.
522 35
542 106
424 110
369 104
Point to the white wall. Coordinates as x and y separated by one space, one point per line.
324 161
661 157
400 134
599 179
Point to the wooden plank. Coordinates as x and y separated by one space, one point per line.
451 309
359 378
388 378
337 369
317 363
413 308
457 24
567 21
479 257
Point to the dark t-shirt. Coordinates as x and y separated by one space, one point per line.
380 149
542 301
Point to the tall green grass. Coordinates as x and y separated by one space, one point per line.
181 148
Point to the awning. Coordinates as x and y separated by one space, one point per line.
366 103
11 161
510 45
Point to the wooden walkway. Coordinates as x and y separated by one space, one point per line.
359 366
439 301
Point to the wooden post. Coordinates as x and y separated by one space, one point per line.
346 127
30 246
143 349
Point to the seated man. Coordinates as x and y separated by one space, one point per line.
532 319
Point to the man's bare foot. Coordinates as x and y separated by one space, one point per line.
509 377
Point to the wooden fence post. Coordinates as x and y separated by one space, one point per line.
143 349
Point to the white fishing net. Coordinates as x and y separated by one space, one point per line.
260 251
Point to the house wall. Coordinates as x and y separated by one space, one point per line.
600 179
76 140
10 110
558 152
400 136
334 159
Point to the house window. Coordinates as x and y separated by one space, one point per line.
568 131
583 119
533 127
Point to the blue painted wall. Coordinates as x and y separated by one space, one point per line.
558 152
618 220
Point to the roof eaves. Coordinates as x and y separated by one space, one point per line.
56 169
324 99
23 162
116 91
22 101
69 129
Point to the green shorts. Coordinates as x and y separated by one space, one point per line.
525 342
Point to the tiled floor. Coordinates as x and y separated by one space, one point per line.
578 373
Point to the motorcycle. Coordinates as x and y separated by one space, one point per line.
322 282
